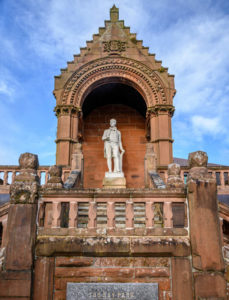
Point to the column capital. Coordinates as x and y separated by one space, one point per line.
160 109
65 110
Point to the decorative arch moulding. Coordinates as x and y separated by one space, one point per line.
144 79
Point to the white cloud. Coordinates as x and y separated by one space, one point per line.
203 125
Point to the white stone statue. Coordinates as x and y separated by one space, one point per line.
112 145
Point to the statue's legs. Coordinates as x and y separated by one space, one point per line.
116 164
108 151
115 150
109 164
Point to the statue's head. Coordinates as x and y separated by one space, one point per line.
113 122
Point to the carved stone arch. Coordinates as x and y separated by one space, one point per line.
135 73
112 77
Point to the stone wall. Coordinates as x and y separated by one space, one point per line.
111 269
132 127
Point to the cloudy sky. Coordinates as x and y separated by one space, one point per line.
191 37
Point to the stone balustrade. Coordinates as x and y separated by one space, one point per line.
8 173
112 213
221 175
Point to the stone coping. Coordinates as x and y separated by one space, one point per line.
113 193
112 246
98 232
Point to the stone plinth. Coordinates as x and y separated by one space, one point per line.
114 182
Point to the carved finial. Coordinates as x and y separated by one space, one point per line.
114 14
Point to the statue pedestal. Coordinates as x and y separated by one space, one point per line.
114 181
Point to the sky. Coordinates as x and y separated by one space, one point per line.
191 37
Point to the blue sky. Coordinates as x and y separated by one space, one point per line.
191 37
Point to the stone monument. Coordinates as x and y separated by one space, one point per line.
112 147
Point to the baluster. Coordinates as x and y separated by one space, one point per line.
5 180
92 215
129 214
111 215
168 215
4 225
222 179
41 215
46 177
73 212
166 176
149 215
182 175
13 176
56 209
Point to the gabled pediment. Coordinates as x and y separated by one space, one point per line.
114 39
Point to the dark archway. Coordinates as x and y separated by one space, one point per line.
114 93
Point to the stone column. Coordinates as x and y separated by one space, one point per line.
67 132
161 132
21 230
207 259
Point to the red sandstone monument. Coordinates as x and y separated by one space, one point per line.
155 220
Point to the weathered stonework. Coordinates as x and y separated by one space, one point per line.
16 279
205 235
174 179
55 180
25 188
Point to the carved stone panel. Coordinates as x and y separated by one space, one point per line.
112 291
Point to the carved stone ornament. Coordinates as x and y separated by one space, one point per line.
25 188
24 192
114 46
198 167
55 181
174 178
132 69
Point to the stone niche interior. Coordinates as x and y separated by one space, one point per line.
126 105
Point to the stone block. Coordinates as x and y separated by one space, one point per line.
149 246
114 183
205 235
181 279
74 261
43 280
15 288
21 232
209 286
92 245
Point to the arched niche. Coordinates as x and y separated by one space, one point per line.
125 104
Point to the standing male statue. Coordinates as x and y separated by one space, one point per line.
112 144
